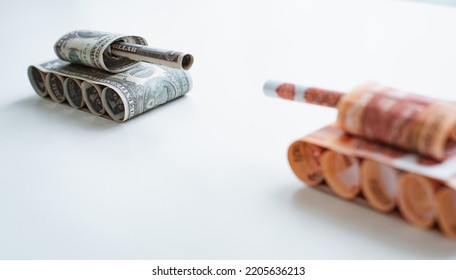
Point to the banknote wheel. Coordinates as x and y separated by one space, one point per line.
113 104
342 173
54 83
416 199
73 92
37 79
379 185
446 211
92 98
304 160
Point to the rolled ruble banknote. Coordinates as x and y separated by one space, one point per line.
446 211
417 199
401 119
342 174
301 93
379 184
305 161
123 95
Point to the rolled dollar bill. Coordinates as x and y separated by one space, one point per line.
38 80
342 173
54 84
379 184
115 52
417 201
92 97
383 114
123 95
446 211
73 92
137 52
92 48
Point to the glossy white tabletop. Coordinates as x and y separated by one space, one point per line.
206 176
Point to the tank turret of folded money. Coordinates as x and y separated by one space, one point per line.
111 75
389 148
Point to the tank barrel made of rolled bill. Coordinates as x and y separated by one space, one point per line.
384 114
300 93
165 57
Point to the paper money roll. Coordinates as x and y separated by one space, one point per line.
304 160
92 48
164 57
446 211
379 184
122 95
92 97
342 173
54 84
115 52
400 119
38 80
73 92
301 93
417 200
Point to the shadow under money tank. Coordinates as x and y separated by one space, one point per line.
111 75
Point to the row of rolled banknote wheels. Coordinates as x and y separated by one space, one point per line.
79 94
422 201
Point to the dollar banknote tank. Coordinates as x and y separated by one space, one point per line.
111 75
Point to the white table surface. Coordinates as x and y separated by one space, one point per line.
206 176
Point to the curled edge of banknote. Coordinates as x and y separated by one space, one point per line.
92 48
119 96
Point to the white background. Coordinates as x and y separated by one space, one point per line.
206 176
